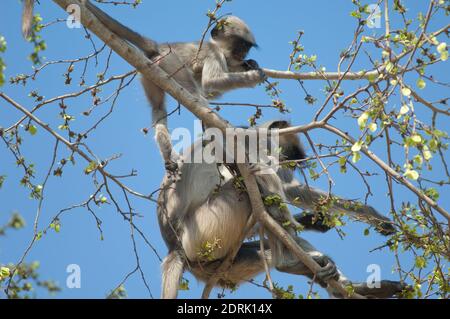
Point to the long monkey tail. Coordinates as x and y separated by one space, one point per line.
148 46
27 18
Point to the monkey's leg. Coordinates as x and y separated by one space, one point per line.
149 47
382 289
172 271
156 96
249 263
289 264
308 197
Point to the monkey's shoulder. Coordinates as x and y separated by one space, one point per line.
193 54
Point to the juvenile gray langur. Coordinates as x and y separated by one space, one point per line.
27 17
216 67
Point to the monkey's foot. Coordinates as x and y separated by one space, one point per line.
328 270
381 289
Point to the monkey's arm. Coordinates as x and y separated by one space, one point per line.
149 47
215 78
308 198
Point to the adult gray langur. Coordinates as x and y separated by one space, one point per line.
205 209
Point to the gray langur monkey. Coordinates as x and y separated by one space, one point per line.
204 206
27 17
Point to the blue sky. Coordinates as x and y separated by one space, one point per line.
328 30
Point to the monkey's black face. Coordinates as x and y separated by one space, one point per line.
239 47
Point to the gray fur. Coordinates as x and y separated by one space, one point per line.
192 209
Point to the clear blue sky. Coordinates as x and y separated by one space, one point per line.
328 30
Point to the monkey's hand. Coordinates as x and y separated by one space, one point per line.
329 269
252 65
171 167
172 170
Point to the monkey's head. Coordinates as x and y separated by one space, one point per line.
234 37
290 144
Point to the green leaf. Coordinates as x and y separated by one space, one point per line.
372 77
406 91
404 109
32 129
357 146
356 157
421 84
420 262
91 167
426 153
416 138
411 174
4 272
362 120
389 67
418 159
442 47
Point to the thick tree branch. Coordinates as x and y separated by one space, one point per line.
321 75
